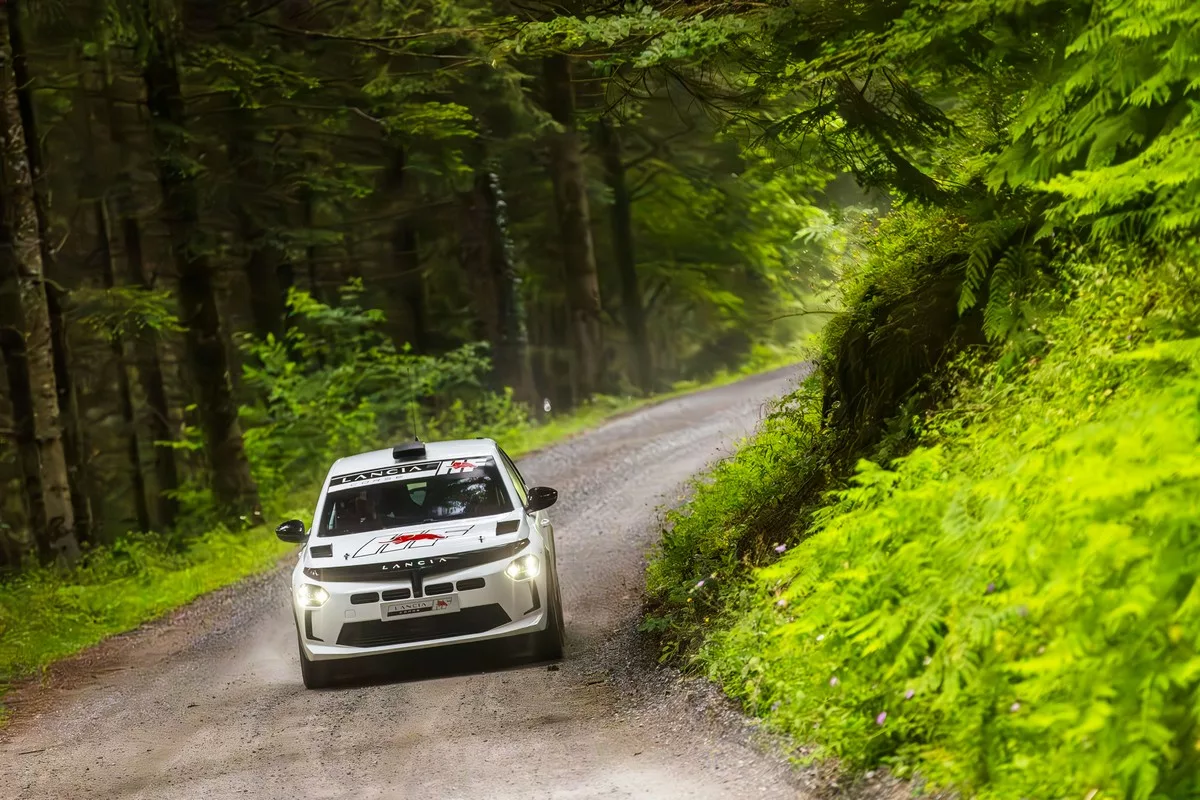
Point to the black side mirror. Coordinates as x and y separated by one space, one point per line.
292 531
541 497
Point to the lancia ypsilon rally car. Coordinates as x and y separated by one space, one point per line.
423 545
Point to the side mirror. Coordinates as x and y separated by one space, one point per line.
541 497
292 531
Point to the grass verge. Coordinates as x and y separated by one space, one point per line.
140 578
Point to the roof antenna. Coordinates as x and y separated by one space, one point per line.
412 401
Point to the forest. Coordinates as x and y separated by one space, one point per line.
240 238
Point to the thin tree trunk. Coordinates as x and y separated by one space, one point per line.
262 260
58 535
74 446
487 261
124 391
150 375
408 315
233 486
571 200
145 347
632 312
20 392
308 206
413 328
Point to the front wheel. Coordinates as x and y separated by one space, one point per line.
316 674
548 644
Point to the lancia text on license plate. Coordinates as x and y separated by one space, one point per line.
409 608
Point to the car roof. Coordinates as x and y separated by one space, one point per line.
434 451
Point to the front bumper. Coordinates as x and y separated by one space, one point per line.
350 623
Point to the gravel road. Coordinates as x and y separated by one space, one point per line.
208 702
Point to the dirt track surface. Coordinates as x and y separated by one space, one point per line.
209 704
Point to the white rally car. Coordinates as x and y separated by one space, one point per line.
422 545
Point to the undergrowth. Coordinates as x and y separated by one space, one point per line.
1012 608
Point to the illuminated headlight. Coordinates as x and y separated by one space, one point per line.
310 596
523 568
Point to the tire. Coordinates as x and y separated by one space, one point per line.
316 674
548 644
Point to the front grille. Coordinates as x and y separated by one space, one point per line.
377 633
397 594
439 588
364 597
470 583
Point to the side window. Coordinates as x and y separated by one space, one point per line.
515 475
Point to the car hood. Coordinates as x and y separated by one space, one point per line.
414 541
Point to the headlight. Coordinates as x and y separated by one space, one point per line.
311 596
524 568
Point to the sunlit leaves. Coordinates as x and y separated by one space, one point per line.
1019 595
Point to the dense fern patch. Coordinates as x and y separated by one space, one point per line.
1009 609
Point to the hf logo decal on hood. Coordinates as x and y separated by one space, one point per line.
406 541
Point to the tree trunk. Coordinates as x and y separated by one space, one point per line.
262 259
57 535
150 374
145 347
124 391
16 366
308 207
622 227
579 257
233 486
74 446
496 287
409 284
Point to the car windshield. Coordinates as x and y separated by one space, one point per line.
394 503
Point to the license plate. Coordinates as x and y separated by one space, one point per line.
409 608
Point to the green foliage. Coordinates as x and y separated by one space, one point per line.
117 588
336 385
126 310
1008 609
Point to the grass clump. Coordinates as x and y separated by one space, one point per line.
1009 609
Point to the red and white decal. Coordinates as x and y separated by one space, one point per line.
460 465
406 541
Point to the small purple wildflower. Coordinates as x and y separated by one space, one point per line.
909 694
820 637
991 587
781 602
699 584
1022 611
834 681
1015 707
882 718
775 706
779 548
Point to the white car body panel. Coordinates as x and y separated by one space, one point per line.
419 557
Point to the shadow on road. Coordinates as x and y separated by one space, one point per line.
439 662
